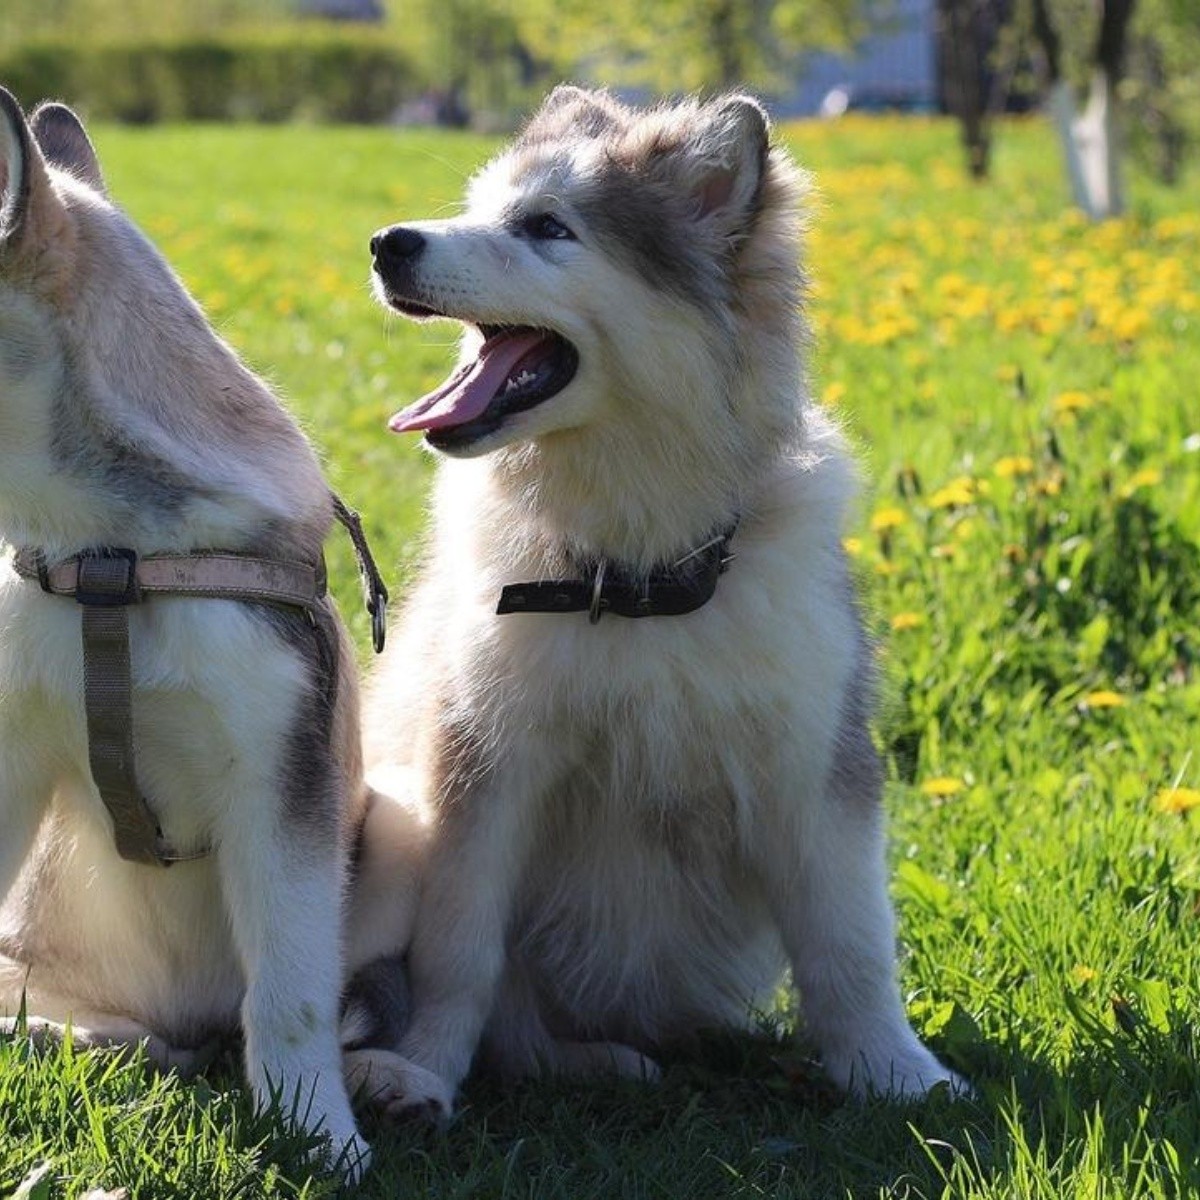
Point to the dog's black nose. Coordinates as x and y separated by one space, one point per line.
396 244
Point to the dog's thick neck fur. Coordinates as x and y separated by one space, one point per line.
106 365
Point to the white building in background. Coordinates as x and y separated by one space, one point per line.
342 10
894 68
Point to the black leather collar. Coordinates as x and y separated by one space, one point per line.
679 587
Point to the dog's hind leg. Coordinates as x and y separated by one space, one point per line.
518 1045
823 862
26 784
106 1031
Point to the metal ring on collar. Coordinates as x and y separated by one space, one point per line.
596 609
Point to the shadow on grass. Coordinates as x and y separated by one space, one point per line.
736 1117
754 1117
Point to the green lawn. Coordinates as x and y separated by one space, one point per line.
1022 388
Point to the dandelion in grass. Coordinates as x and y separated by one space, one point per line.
1081 974
888 518
884 522
1067 404
852 546
833 394
1177 800
1013 466
1147 477
1103 698
908 620
940 787
958 494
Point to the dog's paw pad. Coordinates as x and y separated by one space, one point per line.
419 1110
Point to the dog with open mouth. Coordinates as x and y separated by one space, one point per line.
631 687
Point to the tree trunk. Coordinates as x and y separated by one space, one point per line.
1091 140
963 82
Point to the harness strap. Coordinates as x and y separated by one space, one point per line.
105 582
108 704
217 575
375 593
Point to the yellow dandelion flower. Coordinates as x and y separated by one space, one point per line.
852 546
1072 402
833 394
888 518
953 495
1013 465
1146 477
1130 323
908 620
1177 799
942 785
1081 974
1103 699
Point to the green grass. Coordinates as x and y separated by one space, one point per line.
1022 389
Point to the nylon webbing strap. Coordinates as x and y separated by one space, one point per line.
108 702
106 582
375 593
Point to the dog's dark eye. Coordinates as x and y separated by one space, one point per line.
546 227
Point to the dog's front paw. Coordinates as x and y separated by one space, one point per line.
397 1087
350 1156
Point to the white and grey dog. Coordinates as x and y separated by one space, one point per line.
639 820
125 421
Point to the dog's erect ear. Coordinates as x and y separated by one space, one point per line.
30 211
65 143
724 159
15 168
574 110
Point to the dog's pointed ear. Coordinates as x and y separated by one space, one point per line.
725 158
569 109
29 207
65 144
16 169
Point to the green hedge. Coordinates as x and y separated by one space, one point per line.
318 74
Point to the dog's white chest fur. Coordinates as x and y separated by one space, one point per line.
193 689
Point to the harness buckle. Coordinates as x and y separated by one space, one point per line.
108 579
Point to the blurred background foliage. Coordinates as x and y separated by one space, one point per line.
483 63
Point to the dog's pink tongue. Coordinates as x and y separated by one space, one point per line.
467 392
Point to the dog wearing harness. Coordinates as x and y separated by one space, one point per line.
176 688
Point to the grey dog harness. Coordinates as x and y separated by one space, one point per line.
105 582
